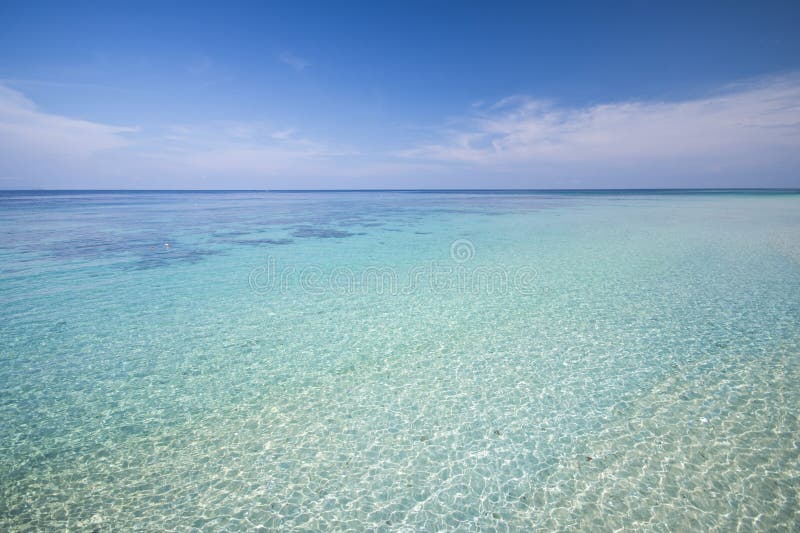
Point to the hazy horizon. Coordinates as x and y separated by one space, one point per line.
425 190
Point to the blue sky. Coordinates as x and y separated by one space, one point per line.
399 95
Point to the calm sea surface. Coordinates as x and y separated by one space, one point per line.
400 360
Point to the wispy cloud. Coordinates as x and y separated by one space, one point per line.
283 134
296 62
234 148
26 129
758 121
55 150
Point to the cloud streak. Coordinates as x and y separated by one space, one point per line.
243 149
24 129
757 122
42 149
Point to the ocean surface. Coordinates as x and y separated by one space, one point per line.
400 360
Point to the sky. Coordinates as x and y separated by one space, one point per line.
329 95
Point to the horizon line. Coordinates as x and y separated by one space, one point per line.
421 190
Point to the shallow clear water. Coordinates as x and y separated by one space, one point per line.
388 361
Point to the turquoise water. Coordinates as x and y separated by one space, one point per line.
400 361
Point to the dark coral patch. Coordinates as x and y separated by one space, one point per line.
321 233
256 242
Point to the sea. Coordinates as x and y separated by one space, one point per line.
588 360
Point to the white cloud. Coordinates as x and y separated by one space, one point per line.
46 149
24 129
759 121
296 62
